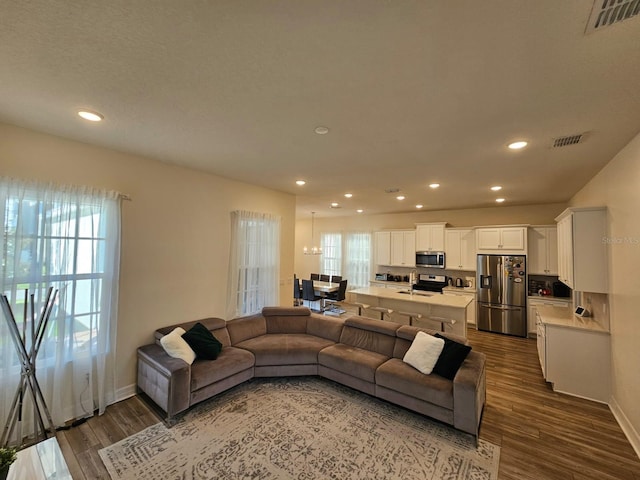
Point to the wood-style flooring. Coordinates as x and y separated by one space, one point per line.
543 435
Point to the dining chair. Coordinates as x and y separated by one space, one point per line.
336 278
315 276
338 296
308 292
297 292
324 278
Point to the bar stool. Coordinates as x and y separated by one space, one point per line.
361 306
442 321
411 316
382 311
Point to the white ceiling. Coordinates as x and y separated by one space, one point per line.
413 92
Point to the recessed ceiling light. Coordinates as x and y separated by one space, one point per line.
360 210
321 130
400 197
300 182
495 188
348 195
91 116
334 204
419 206
434 185
499 200
518 145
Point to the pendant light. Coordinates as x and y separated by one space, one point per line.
314 250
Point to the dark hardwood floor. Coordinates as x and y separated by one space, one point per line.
543 435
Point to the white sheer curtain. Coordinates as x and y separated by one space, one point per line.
254 266
67 238
357 259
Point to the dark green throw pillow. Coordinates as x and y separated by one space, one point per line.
451 358
202 341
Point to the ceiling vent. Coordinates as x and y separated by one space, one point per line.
608 12
568 140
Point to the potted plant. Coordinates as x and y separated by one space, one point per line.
7 457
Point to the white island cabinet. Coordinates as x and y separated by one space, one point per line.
449 307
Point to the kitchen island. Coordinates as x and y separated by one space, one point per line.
426 303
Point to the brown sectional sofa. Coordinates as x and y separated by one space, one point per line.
362 353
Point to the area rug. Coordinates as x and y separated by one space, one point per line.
304 428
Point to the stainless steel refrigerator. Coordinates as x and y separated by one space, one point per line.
502 294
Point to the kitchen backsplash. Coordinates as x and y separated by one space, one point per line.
598 305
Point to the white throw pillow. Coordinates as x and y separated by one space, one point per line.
424 352
177 347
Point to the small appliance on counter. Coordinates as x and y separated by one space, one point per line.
382 276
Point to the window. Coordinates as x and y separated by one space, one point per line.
358 259
67 238
255 263
354 265
331 244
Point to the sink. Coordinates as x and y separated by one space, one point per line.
417 292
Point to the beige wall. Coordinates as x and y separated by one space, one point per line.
175 231
504 215
617 186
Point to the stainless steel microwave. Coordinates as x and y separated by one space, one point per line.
430 259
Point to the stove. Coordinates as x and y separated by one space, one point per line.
430 283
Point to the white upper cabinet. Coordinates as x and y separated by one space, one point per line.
460 249
383 248
430 237
396 248
501 240
543 250
582 249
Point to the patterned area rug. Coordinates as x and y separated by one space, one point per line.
300 428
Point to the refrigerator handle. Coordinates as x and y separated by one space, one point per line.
499 277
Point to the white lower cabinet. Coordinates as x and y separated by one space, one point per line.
576 360
533 302
471 309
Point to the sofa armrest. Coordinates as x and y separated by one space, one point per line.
166 380
469 393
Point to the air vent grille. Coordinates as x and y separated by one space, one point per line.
608 12
567 140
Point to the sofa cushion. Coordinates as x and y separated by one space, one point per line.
285 349
397 375
351 360
424 352
202 341
286 320
243 328
230 361
451 358
369 334
177 347
216 325
325 327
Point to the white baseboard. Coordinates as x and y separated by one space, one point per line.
125 392
625 424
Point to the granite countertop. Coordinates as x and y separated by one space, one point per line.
392 284
564 317
548 297
459 301
459 289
